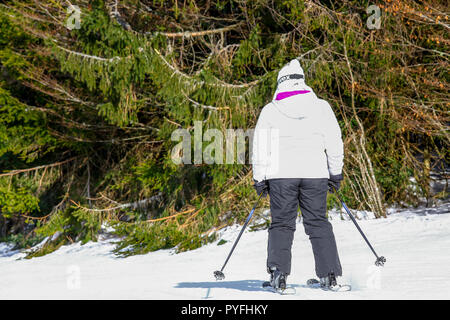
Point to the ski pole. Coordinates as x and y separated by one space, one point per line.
380 260
219 274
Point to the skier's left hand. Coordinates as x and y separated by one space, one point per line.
334 182
261 187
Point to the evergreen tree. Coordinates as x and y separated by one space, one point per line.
91 91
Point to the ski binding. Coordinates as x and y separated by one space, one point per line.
286 291
314 283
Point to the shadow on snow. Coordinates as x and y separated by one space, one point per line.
241 285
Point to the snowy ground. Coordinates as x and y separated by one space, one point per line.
415 243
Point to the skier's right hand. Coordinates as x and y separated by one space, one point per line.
261 187
334 182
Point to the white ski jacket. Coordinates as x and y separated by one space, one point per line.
298 136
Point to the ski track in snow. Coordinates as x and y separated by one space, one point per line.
416 244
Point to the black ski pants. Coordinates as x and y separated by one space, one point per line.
311 194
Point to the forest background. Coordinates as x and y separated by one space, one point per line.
91 92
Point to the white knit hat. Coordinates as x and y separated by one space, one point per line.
291 78
292 68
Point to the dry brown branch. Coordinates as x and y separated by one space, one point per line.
132 205
190 34
56 164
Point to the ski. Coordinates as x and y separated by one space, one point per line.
314 283
287 291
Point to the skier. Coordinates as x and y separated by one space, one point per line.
297 157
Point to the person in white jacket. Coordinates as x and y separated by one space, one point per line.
297 157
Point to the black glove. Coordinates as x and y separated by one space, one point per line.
334 181
261 187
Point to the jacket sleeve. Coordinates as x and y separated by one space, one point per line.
334 146
260 146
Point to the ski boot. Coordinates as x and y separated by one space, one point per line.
329 283
277 282
277 278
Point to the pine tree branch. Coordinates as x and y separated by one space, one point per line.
133 205
201 82
191 34
56 164
88 56
195 103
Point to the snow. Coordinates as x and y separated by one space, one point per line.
416 244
